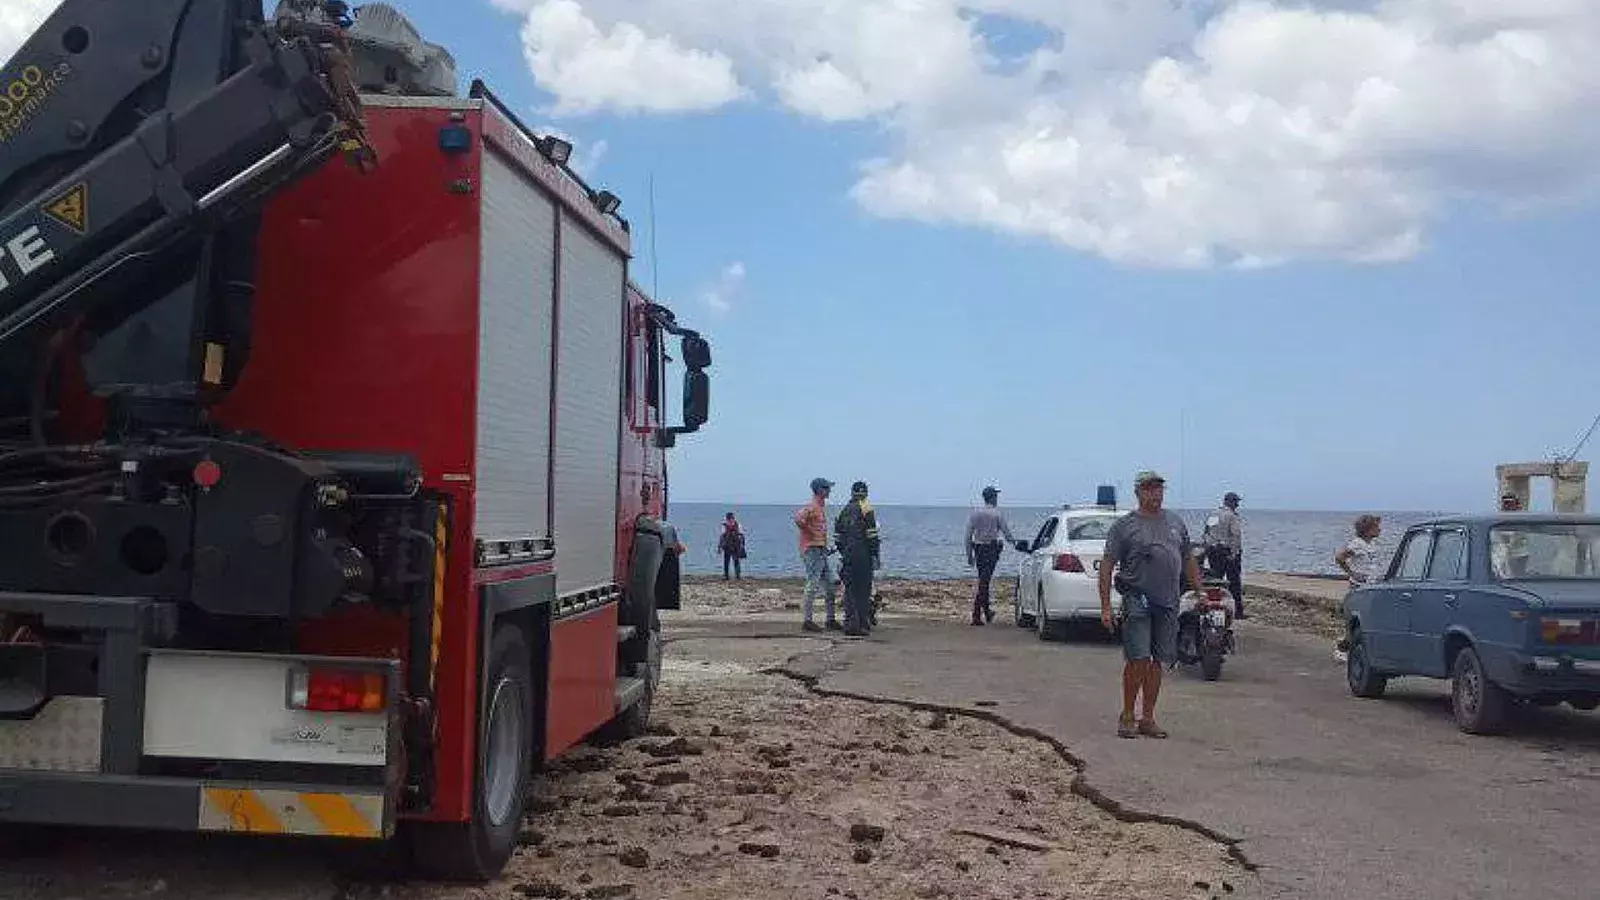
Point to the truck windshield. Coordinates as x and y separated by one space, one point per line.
1545 550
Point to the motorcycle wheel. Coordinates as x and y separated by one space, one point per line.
1211 664
1188 644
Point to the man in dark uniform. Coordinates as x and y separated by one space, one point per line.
856 534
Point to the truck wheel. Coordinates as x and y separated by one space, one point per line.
1480 705
1363 681
477 851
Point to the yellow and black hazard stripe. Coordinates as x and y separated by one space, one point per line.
251 811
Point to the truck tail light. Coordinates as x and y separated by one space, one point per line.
1568 631
337 690
1068 562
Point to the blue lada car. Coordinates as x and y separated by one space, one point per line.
1507 607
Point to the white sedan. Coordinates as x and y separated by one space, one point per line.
1060 579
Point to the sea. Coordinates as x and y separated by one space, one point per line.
925 541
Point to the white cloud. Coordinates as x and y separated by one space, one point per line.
19 19
622 68
1150 132
722 294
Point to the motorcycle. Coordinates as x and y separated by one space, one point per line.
1205 623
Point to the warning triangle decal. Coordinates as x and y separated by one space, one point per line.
72 208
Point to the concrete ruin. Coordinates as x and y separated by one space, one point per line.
1569 481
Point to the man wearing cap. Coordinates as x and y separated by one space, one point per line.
857 533
984 529
812 521
1224 543
1148 550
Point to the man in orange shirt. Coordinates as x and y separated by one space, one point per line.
812 520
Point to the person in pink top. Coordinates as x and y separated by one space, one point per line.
812 521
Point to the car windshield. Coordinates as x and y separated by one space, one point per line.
1545 550
1092 528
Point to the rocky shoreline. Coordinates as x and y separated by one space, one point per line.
1302 611
754 786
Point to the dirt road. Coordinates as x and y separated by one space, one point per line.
987 759
754 785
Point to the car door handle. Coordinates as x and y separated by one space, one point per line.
1449 599
1405 595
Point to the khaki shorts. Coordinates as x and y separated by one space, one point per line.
1149 631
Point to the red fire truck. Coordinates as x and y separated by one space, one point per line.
333 487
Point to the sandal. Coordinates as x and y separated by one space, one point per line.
1150 729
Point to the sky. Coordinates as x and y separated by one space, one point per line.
1331 254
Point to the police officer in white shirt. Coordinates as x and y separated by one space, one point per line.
1224 543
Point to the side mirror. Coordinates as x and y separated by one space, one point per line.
696 353
696 396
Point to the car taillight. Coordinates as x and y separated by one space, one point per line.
1068 562
336 690
1568 631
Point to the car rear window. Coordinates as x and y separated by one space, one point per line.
1090 529
1545 550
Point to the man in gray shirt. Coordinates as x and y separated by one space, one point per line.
1149 551
984 528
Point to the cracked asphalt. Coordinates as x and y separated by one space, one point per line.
1328 795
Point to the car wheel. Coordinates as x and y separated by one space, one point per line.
1586 704
1363 681
1022 619
1480 705
1042 619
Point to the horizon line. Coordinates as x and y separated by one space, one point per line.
733 505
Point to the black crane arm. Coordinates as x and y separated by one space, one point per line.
128 130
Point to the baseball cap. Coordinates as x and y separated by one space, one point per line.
820 484
859 487
991 489
1146 476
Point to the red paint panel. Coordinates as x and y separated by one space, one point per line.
511 573
366 321
366 335
583 667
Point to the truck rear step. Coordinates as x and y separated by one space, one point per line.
630 691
